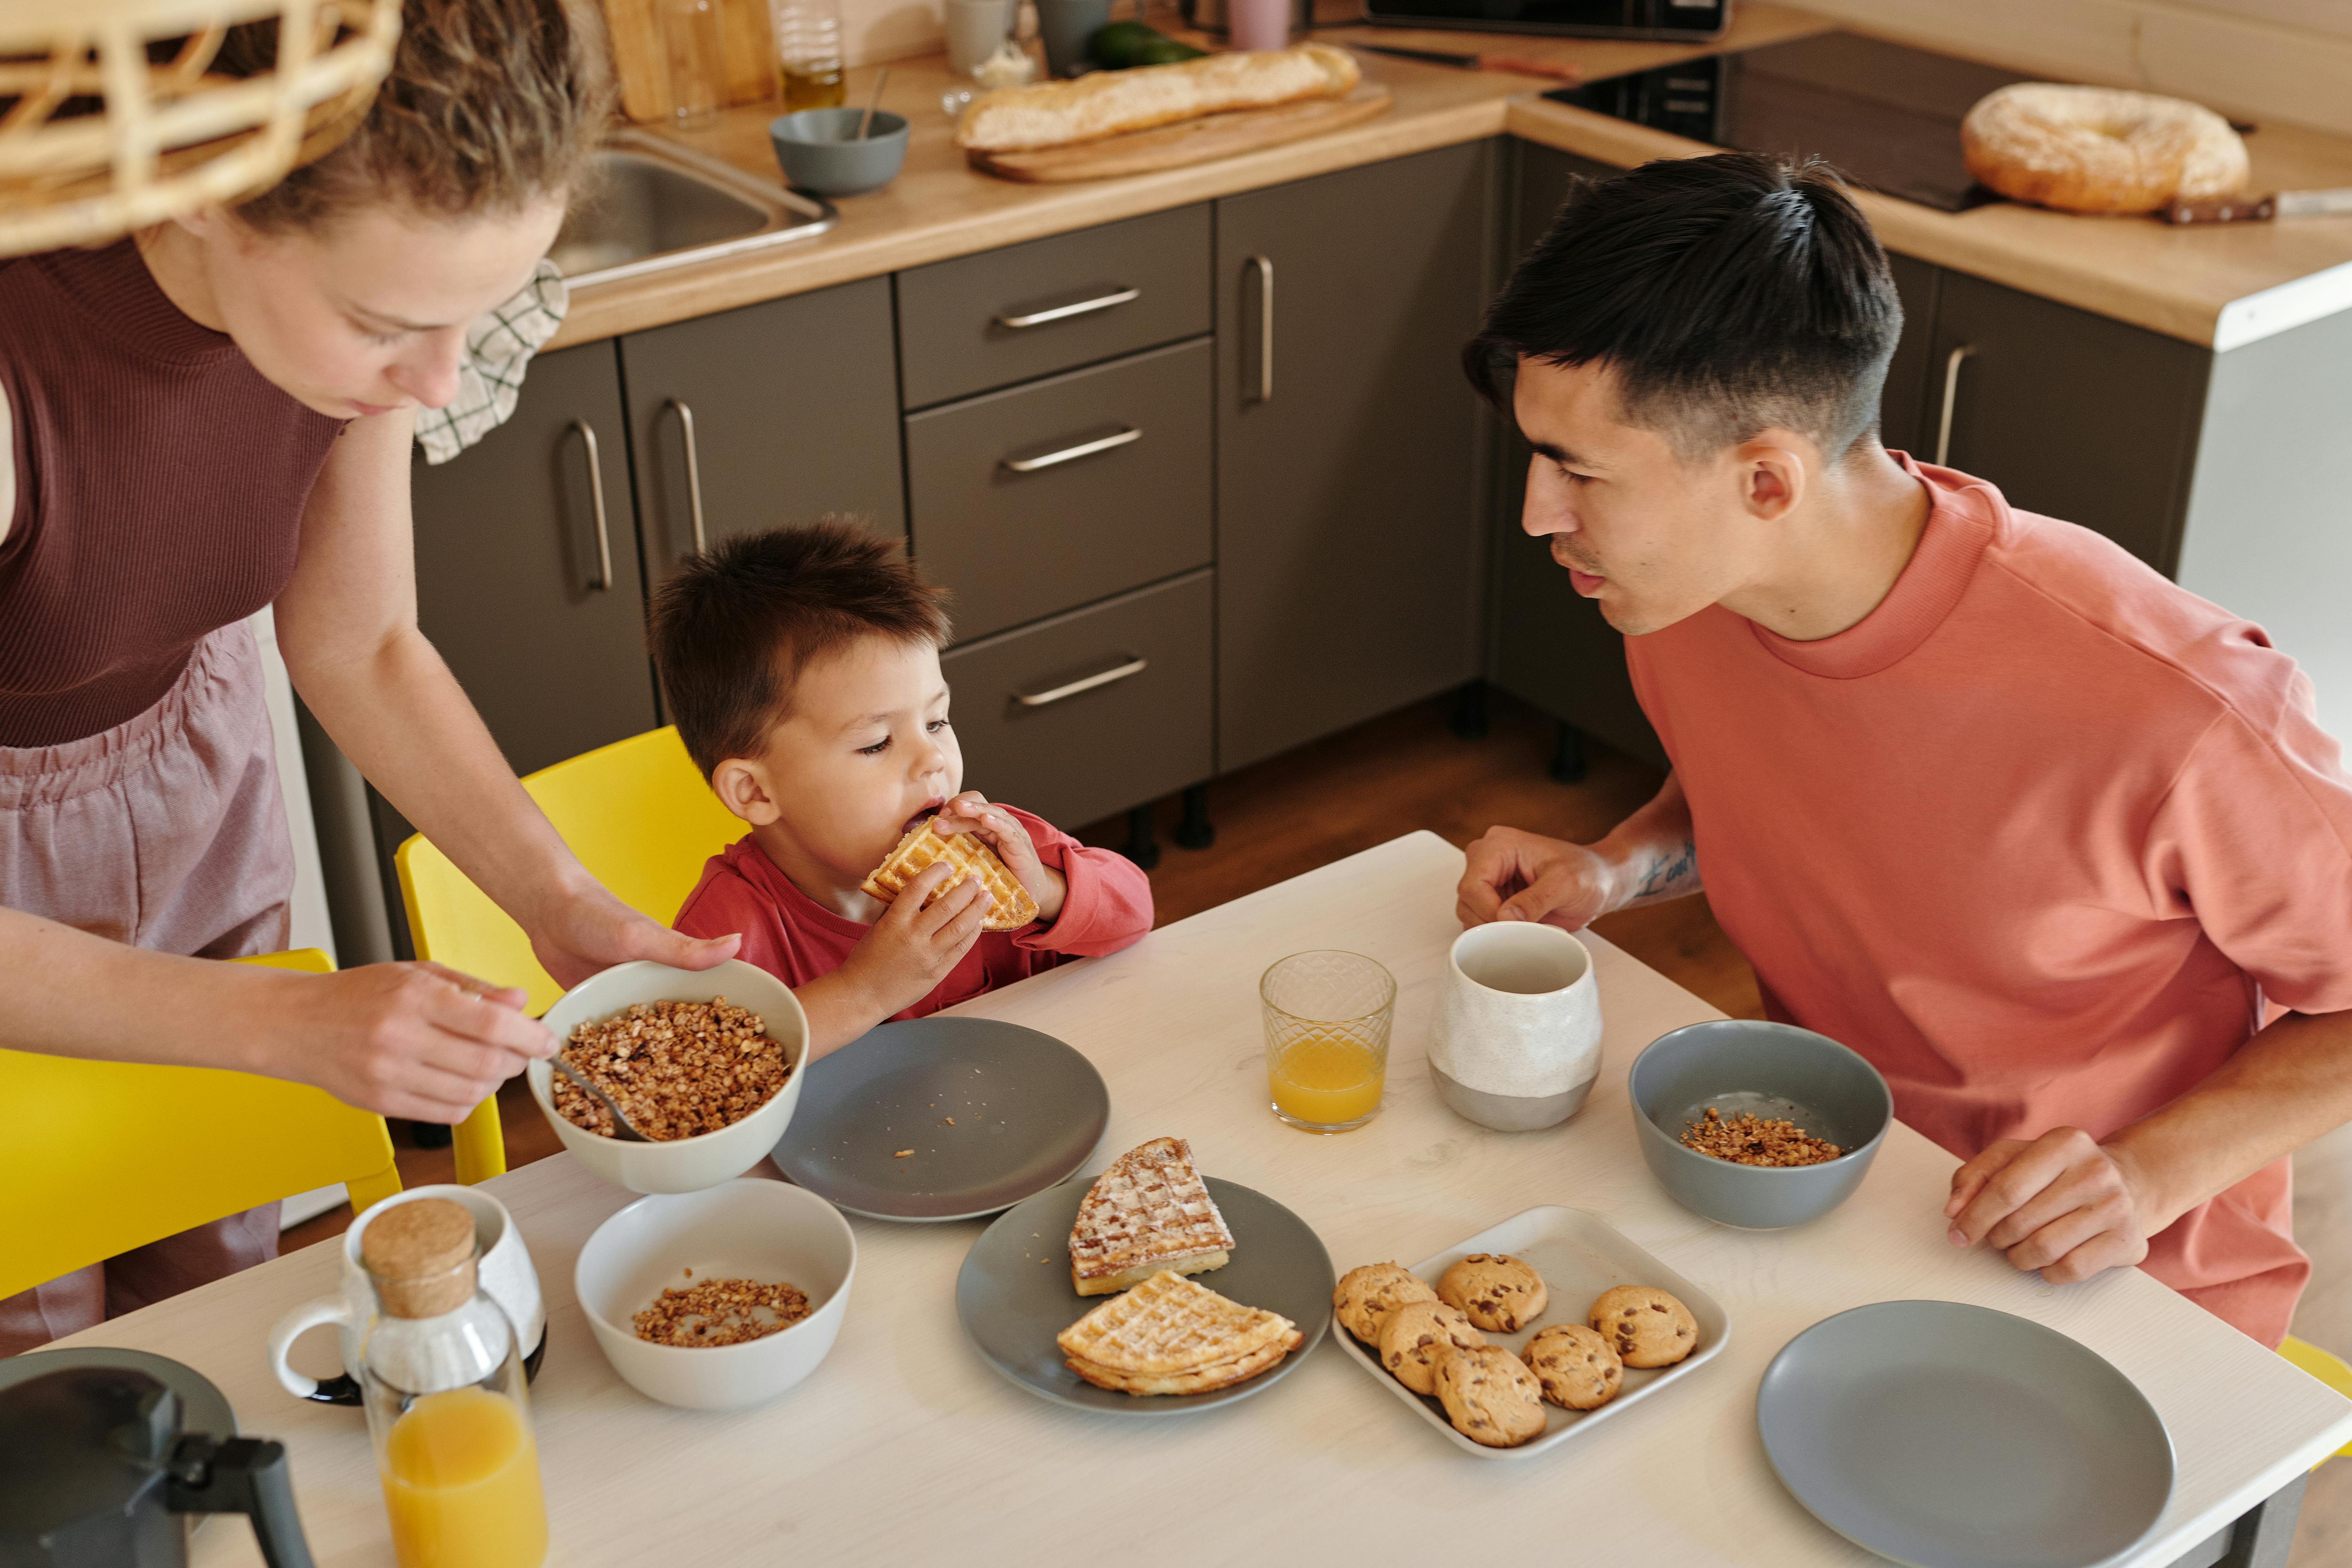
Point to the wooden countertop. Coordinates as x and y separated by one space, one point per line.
2220 285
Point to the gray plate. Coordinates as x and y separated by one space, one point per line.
1948 1436
1015 1295
1028 1111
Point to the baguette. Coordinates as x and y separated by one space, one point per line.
1110 103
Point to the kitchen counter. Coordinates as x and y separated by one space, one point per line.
2216 286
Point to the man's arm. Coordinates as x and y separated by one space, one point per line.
1649 858
347 625
2070 1207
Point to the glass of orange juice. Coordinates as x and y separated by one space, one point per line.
1327 1038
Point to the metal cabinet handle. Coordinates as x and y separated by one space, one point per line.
597 502
693 472
1264 266
1064 312
1084 683
1125 434
1952 362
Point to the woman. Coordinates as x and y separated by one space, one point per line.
214 415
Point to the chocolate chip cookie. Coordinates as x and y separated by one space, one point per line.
1411 1338
1644 1325
1489 1396
1579 1370
1494 1290
1365 1296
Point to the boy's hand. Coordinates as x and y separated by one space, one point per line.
1002 831
911 949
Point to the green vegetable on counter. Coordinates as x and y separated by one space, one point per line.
1123 45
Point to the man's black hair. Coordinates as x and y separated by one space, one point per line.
1727 294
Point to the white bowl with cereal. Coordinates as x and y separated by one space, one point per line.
721 1298
689 1074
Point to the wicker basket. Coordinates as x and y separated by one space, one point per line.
96 138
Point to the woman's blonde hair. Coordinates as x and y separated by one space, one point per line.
491 106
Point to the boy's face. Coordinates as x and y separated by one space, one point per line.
866 750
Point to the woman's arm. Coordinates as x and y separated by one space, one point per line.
347 625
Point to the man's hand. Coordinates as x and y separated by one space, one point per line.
586 929
1002 831
413 1040
2063 1203
911 949
1517 875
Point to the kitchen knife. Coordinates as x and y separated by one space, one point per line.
2262 209
1514 64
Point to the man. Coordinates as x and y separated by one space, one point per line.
2058 846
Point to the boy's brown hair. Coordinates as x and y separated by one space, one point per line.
735 627
491 106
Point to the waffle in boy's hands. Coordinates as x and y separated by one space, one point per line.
971 858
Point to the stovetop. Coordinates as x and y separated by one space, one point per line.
1885 115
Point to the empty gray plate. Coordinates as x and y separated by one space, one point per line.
1027 1111
1014 1294
1948 1436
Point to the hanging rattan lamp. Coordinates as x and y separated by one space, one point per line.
112 116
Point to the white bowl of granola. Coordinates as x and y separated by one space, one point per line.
690 1074
717 1300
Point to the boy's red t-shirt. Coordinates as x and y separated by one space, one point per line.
797 939
2044 836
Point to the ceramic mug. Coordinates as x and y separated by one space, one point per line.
1517 1040
976 30
504 1270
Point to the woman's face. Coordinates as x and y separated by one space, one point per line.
368 314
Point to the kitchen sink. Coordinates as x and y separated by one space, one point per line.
653 203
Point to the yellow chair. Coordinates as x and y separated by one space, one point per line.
640 817
102 1156
2330 1369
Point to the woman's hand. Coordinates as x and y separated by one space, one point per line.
586 929
417 1041
1002 831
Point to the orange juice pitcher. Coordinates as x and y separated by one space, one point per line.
447 1402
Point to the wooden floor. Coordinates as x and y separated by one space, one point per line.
1408 771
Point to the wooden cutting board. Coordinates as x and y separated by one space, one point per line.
744 40
1191 141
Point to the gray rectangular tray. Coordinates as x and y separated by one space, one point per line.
1579 1255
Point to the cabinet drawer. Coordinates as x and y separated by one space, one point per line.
1074 756
1029 502
1006 315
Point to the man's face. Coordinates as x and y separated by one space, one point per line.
1651 538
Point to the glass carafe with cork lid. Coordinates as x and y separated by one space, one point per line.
447 1405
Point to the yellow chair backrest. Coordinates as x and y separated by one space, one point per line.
101 1157
638 814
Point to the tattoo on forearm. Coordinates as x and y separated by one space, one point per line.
1673 875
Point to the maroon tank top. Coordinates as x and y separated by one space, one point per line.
160 488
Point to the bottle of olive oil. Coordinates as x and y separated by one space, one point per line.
808 66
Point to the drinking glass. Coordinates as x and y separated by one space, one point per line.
809 63
1327 1038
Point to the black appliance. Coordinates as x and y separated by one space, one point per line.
1885 115
1680 21
96 1473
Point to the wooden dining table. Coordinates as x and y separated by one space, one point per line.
905 1447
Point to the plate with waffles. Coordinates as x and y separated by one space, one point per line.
944 1118
1148 1289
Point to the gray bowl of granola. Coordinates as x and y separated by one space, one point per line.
706 1063
1754 1124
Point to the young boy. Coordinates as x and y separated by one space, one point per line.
801 667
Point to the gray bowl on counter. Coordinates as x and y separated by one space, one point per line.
819 150
1773 1070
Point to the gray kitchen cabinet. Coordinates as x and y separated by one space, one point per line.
776 413
1350 533
1903 410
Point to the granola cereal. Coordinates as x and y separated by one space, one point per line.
676 1069
1748 1139
720 1312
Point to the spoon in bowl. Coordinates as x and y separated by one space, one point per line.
621 1129
866 120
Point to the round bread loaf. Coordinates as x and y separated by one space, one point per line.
2099 150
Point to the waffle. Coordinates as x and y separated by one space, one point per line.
1149 1211
971 858
1174 1335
